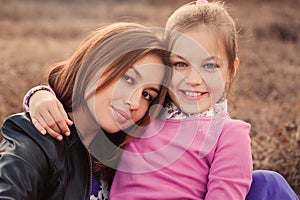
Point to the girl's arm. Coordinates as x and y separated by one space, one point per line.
46 112
230 174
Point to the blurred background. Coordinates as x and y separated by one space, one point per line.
35 34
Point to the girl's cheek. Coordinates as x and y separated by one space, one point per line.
173 97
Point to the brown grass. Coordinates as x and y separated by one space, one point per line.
36 34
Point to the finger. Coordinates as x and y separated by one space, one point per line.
38 126
56 135
64 114
50 122
70 122
65 126
50 131
59 120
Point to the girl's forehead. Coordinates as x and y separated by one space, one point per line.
197 44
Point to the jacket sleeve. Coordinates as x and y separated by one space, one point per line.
230 173
23 165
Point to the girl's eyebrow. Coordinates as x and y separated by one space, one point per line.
214 58
205 59
138 74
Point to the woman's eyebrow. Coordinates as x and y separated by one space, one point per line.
139 75
155 89
176 56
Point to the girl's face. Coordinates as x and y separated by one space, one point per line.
200 71
126 101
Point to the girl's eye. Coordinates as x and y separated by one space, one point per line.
180 65
129 79
147 96
210 66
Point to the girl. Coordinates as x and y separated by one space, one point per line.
196 151
118 58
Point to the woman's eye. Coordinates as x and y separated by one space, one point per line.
128 79
180 65
147 96
211 66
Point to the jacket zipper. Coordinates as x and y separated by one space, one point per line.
90 174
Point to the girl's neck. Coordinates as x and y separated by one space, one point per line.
174 112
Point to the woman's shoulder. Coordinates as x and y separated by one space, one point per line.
21 144
18 130
17 120
19 125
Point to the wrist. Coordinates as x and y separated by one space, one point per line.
31 92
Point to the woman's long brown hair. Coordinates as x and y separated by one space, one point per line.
114 48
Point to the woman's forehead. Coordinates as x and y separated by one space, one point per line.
149 68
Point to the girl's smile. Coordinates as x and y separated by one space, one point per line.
200 71
193 95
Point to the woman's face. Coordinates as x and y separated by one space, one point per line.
200 71
126 101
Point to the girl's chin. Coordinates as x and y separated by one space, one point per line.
194 109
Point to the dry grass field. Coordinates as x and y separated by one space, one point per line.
36 34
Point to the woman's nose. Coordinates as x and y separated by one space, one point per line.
135 99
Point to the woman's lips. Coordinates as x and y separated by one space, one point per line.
120 115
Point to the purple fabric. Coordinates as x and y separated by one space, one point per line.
95 187
269 185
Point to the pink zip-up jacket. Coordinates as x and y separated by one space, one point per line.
194 158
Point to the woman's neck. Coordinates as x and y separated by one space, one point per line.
85 124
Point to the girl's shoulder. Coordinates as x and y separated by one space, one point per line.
236 124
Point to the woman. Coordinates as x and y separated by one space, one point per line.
265 185
105 83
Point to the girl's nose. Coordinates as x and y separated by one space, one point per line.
193 77
135 99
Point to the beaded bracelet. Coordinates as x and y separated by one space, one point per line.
33 90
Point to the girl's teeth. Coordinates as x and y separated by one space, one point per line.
192 94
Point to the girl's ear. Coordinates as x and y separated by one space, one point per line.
235 67
236 64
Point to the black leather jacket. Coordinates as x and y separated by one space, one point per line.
33 166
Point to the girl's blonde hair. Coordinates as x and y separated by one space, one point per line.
212 15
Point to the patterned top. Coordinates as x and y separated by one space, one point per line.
99 190
173 112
